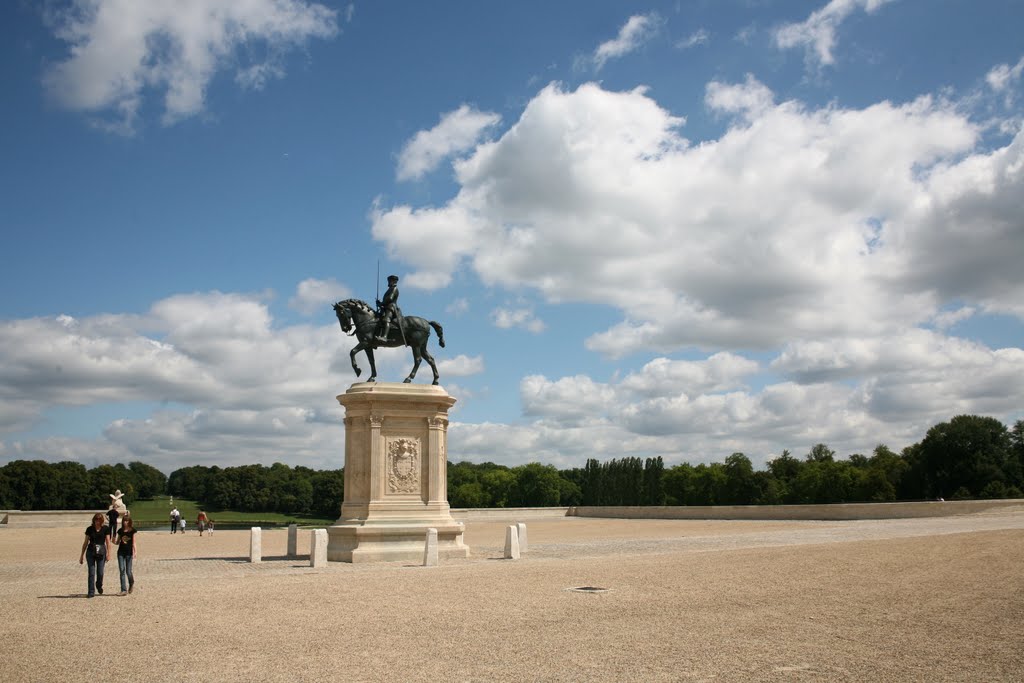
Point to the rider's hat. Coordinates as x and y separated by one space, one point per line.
392 278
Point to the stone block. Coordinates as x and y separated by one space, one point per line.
293 541
318 548
521 526
430 549
256 544
512 542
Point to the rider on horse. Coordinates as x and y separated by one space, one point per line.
388 309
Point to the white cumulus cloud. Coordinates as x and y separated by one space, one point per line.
457 132
506 318
119 49
797 221
461 366
637 30
313 295
817 33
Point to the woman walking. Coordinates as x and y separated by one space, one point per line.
126 554
96 549
201 522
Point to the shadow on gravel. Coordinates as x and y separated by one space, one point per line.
236 560
73 595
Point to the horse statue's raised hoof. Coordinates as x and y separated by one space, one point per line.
358 372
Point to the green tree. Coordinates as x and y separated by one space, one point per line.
968 451
6 492
709 484
912 483
654 484
468 495
740 486
821 453
679 484
328 492
104 480
497 483
593 482
31 485
148 480
569 493
769 490
993 489
1015 466
890 465
536 485
785 469
73 483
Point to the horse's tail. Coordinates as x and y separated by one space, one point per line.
440 333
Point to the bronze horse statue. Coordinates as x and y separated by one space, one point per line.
357 314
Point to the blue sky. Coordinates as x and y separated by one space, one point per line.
680 229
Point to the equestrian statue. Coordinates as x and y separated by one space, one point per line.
387 327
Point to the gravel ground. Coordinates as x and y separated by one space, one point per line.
899 600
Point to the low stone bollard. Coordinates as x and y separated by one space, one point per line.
512 542
256 545
430 549
318 548
293 540
522 537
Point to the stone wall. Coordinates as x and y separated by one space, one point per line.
38 519
506 514
835 511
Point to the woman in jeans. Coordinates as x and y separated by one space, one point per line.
126 554
96 549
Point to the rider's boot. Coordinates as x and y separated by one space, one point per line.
383 336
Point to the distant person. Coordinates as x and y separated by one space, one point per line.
175 516
201 522
112 515
126 554
96 549
182 525
209 526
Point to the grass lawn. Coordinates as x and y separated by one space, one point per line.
157 512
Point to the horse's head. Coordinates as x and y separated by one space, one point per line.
344 317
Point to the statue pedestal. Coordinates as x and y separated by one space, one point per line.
396 479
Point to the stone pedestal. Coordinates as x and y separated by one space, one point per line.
395 475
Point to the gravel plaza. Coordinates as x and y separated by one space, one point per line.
932 599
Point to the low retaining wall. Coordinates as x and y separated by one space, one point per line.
831 512
27 519
40 519
506 514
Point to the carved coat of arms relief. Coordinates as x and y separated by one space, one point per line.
403 465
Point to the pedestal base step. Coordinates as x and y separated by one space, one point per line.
368 542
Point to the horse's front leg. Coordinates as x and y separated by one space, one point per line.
373 365
352 354
416 364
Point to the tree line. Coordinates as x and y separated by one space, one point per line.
40 485
968 457
256 488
